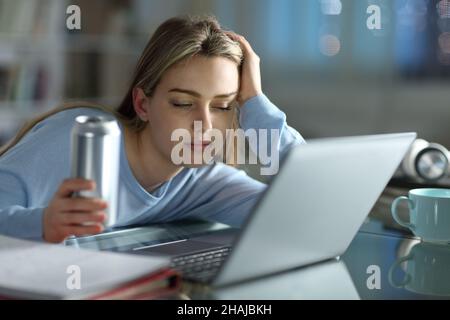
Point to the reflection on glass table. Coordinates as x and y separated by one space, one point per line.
407 268
329 280
425 270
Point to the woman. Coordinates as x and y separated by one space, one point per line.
191 70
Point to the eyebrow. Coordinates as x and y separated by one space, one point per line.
198 95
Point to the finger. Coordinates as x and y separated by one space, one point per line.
81 204
230 34
82 230
245 44
71 218
73 185
241 39
234 36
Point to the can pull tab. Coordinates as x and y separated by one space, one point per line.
89 119
93 120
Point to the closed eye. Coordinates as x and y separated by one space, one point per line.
218 107
225 108
182 105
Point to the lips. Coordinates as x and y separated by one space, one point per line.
200 145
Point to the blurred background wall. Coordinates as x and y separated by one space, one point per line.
320 62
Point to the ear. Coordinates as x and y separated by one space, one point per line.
140 104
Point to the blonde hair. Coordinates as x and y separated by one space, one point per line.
176 39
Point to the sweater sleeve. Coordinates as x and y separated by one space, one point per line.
16 218
272 136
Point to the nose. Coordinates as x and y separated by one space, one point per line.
203 115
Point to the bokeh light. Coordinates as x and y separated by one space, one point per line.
444 42
329 45
331 7
412 14
443 9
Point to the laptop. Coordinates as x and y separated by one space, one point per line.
309 213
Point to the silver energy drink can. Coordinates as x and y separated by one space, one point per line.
95 155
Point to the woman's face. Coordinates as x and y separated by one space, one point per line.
199 89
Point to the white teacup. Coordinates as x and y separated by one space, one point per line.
429 214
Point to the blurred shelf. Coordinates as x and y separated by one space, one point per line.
30 108
22 110
104 43
60 45
42 63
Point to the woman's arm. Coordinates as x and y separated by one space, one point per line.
15 218
261 114
273 135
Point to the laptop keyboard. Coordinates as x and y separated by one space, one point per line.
200 266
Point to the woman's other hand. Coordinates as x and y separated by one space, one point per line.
250 85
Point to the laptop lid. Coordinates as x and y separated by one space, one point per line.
314 207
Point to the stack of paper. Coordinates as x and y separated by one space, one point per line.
34 270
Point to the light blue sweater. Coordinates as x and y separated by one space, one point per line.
32 171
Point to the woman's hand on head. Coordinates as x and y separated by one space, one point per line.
67 216
251 73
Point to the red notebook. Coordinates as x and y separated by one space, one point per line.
155 286
34 270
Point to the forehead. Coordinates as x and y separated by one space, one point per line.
208 76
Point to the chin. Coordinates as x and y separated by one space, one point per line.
196 160
192 165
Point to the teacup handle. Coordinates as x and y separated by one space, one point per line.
407 277
395 213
